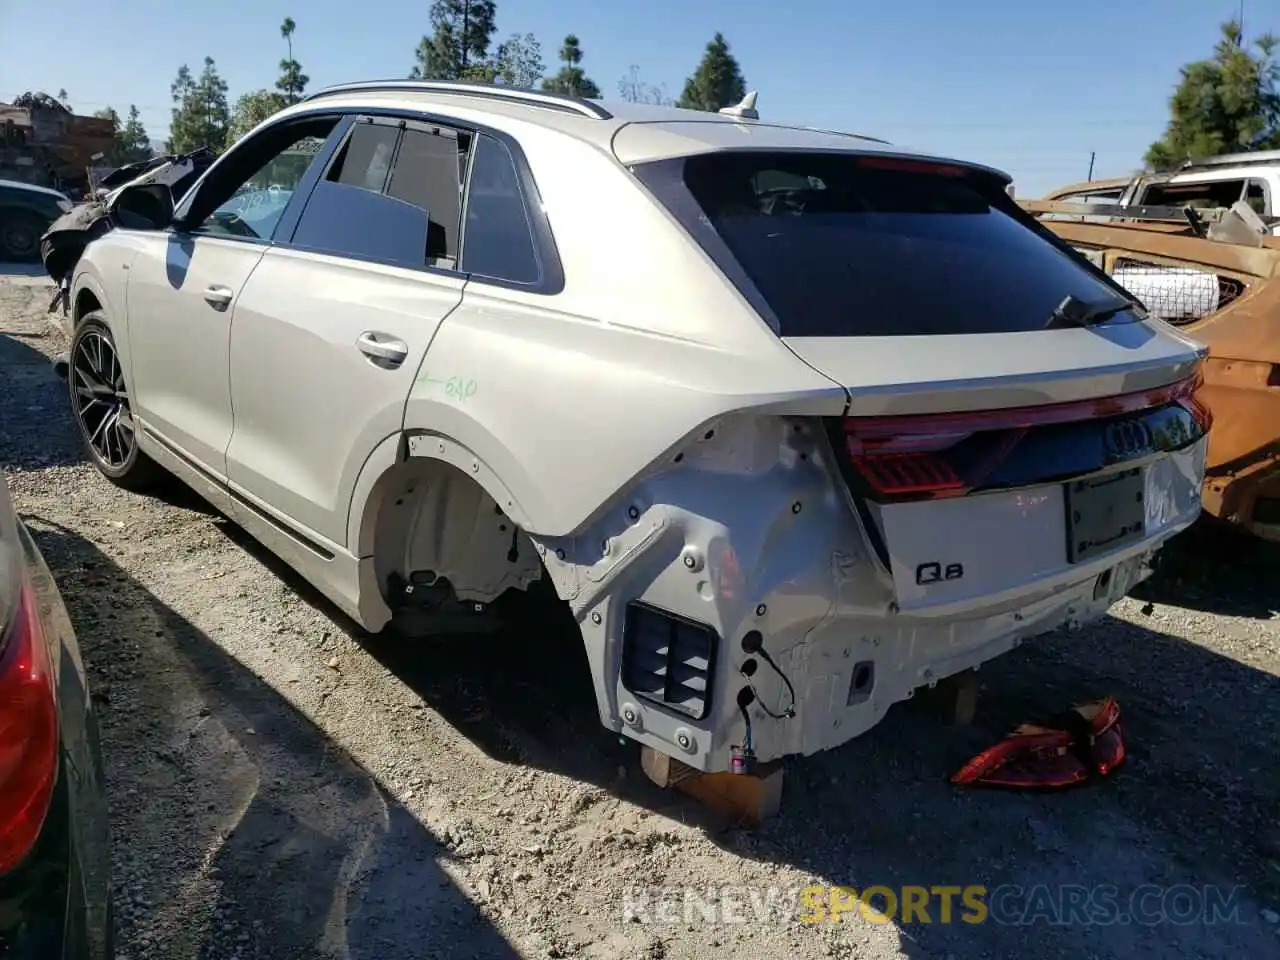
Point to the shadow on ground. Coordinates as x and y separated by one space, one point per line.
1195 805
279 839
1215 568
32 270
34 399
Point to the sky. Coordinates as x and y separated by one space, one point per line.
1031 87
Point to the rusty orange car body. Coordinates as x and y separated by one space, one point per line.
1241 327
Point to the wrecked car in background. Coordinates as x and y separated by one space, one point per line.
1212 183
26 211
774 508
1210 271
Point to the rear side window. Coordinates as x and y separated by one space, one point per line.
853 245
392 195
366 158
426 175
499 238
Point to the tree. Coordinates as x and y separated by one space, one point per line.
63 99
571 78
1225 104
717 82
39 101
200 113
632 88
130 143
292 80
460 37
516 63
134 140
250 110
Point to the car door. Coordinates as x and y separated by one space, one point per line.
332 326
182 288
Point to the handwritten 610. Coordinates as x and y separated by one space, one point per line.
459 388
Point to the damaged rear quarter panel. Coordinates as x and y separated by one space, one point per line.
567 398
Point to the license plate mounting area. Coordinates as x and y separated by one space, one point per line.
1104 513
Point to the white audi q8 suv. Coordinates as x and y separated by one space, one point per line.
794 422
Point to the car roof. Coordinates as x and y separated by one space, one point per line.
33 187
1085 186
652 131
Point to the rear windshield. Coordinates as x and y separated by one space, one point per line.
848 245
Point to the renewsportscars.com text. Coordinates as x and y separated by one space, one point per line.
1007 904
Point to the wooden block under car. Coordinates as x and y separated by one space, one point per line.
752 797
954 699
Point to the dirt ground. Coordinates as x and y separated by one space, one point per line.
285 786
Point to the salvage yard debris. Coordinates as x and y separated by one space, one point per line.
1214 279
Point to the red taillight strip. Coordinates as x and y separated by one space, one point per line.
910 473
863 433
28 732
1200 412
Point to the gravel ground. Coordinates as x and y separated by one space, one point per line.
283 785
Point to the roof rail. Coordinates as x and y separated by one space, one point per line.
1229 160
533 98
847 133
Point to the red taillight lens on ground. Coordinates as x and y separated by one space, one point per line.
28 732
1091 746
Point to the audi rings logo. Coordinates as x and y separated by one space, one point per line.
1127 439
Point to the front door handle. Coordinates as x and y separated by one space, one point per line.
383 347
218 297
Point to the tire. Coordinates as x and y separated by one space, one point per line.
20 234
100 408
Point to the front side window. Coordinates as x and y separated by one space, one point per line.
259 180
842 244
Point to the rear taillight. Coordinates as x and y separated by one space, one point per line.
28 731
940 455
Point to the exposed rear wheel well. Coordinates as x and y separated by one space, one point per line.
443 550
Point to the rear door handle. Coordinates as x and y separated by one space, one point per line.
382 346
218 297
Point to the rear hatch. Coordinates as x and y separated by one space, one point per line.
999 437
